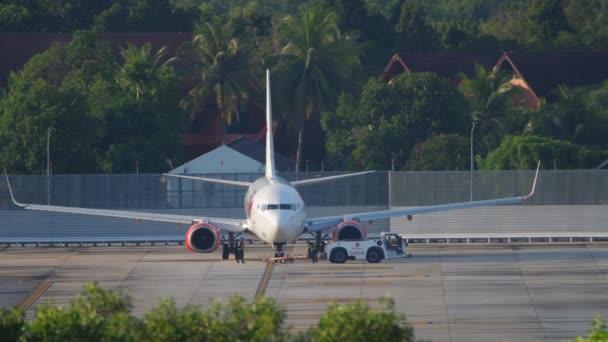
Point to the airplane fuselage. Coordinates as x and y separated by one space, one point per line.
275 210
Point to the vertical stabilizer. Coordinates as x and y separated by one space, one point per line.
270 171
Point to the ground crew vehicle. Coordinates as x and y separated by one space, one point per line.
389 246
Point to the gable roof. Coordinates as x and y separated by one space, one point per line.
257 151
543 71
222 159
447 64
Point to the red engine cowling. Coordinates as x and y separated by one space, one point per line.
202 238
350 230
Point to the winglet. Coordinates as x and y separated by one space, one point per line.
533 184
10 191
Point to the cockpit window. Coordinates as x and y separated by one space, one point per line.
279 206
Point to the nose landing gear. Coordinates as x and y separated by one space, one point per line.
279 249
279 254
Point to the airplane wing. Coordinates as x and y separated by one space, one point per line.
325 179
322 223
224 224
211 180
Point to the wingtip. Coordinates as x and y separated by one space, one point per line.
10 190
534 182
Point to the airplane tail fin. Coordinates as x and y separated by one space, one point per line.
270 170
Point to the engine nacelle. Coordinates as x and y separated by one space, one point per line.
202 238
350 230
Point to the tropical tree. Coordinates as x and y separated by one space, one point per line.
440 152
388 120
314 66
140 68
579 115
491 98
522 152
413 30
222 69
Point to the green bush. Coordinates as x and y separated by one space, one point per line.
102 315
522 152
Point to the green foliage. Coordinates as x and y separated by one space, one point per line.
590 19
372 31
358 322
95 315
103 315
140 71
103 117
384 24
314 65
464 35
316 49
33 105
522 152
222 70
389 119
14 17
414 32
508 25
546 19
490 96
441 152
147 16
579 115
598 333
12 323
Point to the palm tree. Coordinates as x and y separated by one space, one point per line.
579 115
222 68
492 100
313 66
140 68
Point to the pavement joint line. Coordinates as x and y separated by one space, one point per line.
265 280
515 257
343 283
34 296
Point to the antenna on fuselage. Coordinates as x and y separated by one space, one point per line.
270 171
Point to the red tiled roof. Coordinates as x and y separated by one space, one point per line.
543 71
446 64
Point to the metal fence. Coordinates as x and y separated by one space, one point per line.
567 187
154 191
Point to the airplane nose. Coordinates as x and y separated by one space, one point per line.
278 222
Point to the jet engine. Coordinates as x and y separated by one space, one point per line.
350 230
202 238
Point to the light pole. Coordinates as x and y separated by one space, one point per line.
48 165
472 163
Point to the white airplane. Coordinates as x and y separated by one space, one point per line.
274 209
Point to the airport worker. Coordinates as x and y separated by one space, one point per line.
310 246
237 252
313 252
241 250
